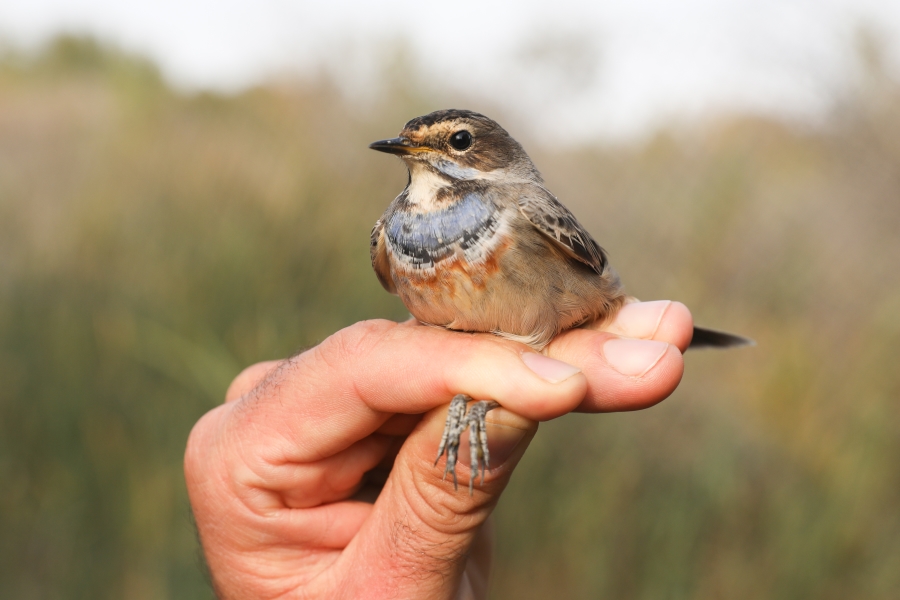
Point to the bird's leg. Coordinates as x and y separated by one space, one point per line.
479 456
453 429
457 422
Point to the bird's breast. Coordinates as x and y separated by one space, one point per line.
422 239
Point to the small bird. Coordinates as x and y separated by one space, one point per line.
475 242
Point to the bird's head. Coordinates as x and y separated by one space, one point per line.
460 144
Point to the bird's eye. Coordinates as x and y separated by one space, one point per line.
461 140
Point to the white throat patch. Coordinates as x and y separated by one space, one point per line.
423 188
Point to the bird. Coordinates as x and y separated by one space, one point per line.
476 242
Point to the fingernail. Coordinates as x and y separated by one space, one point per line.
639 319
547 368
633 357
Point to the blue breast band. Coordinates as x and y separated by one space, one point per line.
428 237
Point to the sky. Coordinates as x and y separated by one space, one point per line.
574 69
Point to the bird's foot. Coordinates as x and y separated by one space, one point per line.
458 419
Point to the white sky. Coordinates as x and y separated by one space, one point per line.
628 64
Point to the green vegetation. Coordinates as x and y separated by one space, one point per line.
152 243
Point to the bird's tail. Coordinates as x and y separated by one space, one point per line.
710 338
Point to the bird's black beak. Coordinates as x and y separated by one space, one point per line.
398 145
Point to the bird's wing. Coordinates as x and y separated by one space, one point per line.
554 220
379 256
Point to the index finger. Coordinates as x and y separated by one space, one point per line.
320 402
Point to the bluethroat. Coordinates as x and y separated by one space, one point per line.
476 243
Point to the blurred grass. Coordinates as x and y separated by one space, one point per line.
152 243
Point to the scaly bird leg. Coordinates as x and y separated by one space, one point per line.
457 422
479 456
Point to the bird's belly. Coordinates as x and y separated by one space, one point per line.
455 292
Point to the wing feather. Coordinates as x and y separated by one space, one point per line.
553 219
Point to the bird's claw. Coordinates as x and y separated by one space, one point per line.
458 419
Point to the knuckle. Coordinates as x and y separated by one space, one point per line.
354 342
446 512
197 451
245 381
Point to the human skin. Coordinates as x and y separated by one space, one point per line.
316 477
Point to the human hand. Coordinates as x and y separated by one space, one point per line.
277 475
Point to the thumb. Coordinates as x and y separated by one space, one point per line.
421 529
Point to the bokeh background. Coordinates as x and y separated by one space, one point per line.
184 193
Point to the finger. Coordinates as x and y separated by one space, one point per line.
400 425
249 378
421 531
323 400
622 373
251 507
334 478
661 320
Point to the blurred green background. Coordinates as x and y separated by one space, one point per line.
154 242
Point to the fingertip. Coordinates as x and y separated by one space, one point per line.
622 374
551 389
639 320
637 388
549 369
676 326
659 382
661 320
633 358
